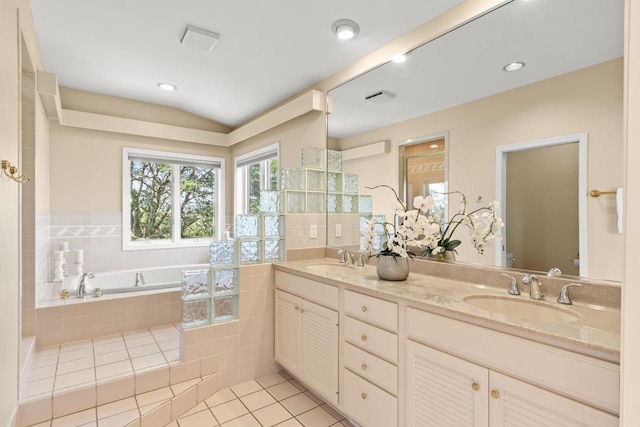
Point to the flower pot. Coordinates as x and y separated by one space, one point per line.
392 268
446 256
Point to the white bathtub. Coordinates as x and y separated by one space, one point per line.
122 281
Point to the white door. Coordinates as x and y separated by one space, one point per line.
516 403
443 390
288 345
320 350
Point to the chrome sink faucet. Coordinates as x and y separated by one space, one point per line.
513 288
345 256
535 287
82 286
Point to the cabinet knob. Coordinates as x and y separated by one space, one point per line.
302 311
296 308
363 396
363 366
364 308
475 386
363 337
495 394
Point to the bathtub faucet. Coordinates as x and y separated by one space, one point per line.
139 279
82 286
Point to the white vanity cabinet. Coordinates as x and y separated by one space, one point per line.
370 358
306 332
446 390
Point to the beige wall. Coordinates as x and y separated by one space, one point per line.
42 158
586 100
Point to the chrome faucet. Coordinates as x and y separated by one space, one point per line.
345 256
564 293
361 260
82 286
513 289
535 287
139 279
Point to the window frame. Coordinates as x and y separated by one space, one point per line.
176 241
245 160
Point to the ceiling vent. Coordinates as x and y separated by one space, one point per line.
199 38
380 97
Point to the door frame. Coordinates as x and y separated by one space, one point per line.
501 188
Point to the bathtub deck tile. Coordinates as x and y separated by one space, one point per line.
107 358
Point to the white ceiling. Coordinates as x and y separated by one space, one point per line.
268 50
552 37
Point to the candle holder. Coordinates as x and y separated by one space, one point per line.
78 268
65 263
58 272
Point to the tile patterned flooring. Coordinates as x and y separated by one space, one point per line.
61 368
272 400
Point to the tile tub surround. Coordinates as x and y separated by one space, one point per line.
243 348
77 319
595 333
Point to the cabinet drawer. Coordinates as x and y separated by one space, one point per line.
371 368
368 404
371 310
320 293
381 343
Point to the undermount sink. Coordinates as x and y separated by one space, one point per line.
327 267
522 308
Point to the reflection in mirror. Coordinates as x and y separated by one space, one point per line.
571 84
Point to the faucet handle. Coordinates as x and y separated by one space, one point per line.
361 260
564 297
554 272
88 275
343 256
528 278
513 289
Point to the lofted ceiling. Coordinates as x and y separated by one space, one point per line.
267 52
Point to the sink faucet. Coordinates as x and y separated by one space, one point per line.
564 293
535 287
513 289
345 256
82 286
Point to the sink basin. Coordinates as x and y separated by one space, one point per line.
327 267
522 308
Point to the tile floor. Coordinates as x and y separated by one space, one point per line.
272 400
62 368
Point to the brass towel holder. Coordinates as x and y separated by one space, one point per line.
597 193
12 173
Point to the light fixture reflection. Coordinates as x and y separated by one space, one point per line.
399 59
167 86
514 66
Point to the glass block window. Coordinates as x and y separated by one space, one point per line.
256 172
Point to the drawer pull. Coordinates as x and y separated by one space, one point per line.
302 311
364 308
363 366
363 396
495 394
296 308
363 337
475 386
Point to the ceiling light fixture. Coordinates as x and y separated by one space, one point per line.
399 59
345 29
514 66
167 86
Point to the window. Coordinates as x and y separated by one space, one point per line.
171 199
255 171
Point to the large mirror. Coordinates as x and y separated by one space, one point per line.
567 97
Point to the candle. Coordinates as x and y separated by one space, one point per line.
64 246
57 255
78 256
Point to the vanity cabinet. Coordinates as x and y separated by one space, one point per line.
306 338
370 358
443 389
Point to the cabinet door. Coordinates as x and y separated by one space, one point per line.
516 403
443 390
320 350
288 346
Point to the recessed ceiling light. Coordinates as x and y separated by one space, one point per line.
345 29
514 66
399 59
167 86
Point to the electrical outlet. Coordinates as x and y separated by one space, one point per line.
313 231
338 230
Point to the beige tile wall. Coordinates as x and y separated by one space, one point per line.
243 349
91 319
297 230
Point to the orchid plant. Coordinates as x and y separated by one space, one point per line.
418 228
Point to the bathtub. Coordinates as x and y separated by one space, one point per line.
123 281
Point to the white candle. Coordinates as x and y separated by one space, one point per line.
78 256
64 246
57 255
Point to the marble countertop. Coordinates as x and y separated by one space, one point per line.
595 331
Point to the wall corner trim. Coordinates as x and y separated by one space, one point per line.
47 85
